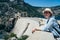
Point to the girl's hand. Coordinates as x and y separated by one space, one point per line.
33 30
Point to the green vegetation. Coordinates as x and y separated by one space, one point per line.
24 37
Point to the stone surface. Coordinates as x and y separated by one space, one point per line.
22 26
39 35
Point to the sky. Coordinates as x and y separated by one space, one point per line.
43 3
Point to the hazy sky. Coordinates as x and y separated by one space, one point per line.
43 3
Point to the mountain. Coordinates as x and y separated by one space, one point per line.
55 9
9 8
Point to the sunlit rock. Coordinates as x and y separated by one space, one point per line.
24 26
41 36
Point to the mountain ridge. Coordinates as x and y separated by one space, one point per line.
8 9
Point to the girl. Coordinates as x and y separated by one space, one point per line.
51 24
